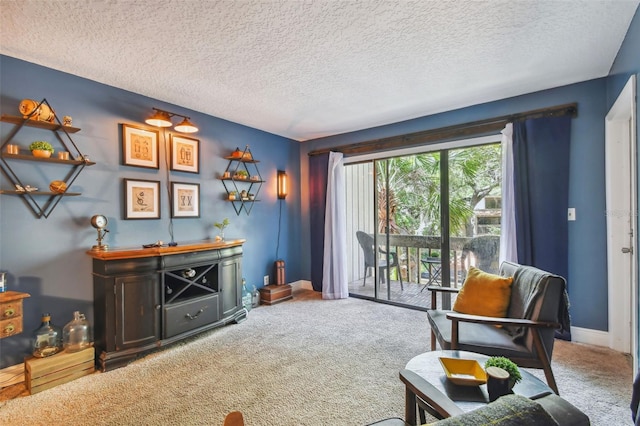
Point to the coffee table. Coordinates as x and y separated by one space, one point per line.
434 397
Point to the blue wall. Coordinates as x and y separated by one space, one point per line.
627 63
587 235
47 257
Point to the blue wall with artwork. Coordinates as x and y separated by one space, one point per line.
47 257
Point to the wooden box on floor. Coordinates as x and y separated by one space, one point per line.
44 373
273 293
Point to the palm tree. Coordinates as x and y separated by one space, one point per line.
413 193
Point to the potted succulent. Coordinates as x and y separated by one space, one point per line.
507 365
232 195
241 174
41 149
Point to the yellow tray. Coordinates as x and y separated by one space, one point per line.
464 372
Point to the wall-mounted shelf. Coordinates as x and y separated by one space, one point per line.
41 203
240 163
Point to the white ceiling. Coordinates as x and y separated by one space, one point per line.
305 69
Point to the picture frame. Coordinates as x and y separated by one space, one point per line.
185 200
185 154
140 147
141 199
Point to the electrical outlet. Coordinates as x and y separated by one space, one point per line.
266 280
571 214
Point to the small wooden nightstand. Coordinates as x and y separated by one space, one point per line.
11 313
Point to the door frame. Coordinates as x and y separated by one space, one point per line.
620 145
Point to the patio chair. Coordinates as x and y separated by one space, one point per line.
366 241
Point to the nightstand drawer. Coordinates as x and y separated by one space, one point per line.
10 310
11 326
11 313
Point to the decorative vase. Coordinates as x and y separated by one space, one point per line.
247 298
76 335
41 153
47 339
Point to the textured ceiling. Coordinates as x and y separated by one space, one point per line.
310 68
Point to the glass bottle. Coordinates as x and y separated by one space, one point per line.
76 335
47 339
246 296
255 297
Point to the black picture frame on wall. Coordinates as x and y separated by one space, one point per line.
185 154
140 147
141 199
185 201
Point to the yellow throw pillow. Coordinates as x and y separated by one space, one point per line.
484 294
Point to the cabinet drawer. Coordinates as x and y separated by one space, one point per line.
10 309
11 326
125 266
190 259
189 315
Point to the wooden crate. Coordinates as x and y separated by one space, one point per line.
271 294
44 373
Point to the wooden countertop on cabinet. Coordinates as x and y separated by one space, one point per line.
136 252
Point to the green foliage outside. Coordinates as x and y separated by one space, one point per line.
414 189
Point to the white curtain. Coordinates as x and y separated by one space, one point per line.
508 245
334 272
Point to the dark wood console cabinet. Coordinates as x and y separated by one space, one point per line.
150 297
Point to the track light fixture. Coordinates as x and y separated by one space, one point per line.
162 118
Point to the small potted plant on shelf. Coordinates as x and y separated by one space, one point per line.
41 149
241 175
221 226
233 195
507 365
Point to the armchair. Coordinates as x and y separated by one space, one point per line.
538 305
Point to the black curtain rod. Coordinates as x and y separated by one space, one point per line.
465 130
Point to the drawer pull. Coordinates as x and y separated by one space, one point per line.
9 329
192 317
9 312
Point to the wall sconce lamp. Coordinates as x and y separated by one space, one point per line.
162 118
282 185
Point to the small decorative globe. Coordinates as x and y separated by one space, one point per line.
57 186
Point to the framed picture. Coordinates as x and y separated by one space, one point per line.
186 199
141 199
185 154
140 147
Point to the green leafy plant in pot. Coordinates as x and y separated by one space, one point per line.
41 149
507 365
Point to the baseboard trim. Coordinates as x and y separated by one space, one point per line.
578 334
590 336
301 285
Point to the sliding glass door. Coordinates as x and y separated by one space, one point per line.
418 220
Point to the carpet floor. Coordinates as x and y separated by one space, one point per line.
302 362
